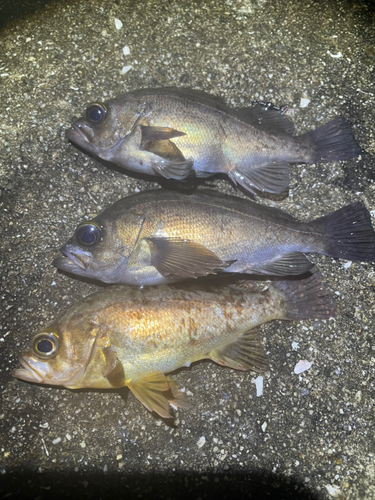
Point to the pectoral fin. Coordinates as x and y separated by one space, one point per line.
273 178
150 389
165 149
184 259
150 134
114 370
293 263
245 353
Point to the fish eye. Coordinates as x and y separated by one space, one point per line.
96 113
88 234
46 344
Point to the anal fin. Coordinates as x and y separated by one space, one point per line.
273 178
245 353
293 263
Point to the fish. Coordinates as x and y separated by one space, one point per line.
122 336
179 132
159 237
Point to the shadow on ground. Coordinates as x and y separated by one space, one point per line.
24 483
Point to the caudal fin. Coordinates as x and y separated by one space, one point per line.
349 233
332 141
307 298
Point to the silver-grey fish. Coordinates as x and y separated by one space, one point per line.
161 236
122 336
178 132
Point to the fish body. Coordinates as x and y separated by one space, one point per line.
177 132
122 336
159 236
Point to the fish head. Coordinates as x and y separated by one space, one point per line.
109 130
59 355
100 248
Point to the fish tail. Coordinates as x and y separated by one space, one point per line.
332 142
307 298
348 233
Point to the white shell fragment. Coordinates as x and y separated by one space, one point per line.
201 442
295 346
302 366
126 50
259 385
335 56
125 69
118 24
304 102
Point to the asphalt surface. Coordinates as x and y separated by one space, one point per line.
308 436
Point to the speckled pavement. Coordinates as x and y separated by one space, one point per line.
308 436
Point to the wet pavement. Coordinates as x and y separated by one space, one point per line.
307 436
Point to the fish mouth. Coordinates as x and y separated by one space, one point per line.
32 371
73 258
76 134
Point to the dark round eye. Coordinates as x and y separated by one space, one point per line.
96 113
45 345
87 235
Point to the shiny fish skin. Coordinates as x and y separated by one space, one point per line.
159 236
122 336
180 132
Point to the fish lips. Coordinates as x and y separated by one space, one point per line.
32 371
74 260
81 134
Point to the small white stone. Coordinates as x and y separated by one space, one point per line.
56 441
201 442
259 385
126 50
334 491
118 24
125 69
68 437
295 346
264 426
302 366
347 264
83 444
304 102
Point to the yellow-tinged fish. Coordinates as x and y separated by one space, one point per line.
123 336
179 132
160 236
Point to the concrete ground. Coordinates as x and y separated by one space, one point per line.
308 436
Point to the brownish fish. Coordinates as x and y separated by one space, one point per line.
131 337
161 236
178 132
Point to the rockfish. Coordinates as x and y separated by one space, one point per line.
179 132
122 336
159 237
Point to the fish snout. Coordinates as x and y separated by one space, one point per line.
33 370
80 133
73 257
